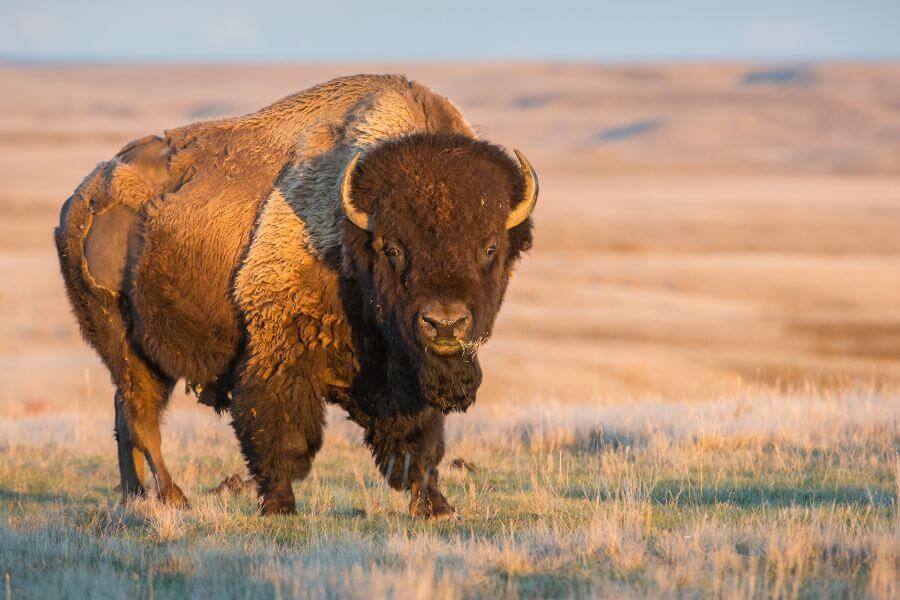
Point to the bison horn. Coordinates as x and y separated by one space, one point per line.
529 196
356 216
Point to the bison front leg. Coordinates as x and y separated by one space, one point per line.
279 423
407 450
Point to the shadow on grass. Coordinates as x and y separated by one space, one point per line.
338 512
682 494
38 497
545 584
765 496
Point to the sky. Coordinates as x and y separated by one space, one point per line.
343 30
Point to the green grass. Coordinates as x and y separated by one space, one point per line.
790 497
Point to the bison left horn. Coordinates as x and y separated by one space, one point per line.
529 195
356 216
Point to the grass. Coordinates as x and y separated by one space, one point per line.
753 496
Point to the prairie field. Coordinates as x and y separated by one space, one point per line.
754 495
692 389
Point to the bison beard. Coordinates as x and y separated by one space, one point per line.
448 383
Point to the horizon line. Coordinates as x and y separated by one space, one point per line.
14 60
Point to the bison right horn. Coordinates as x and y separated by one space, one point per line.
529 196
355 216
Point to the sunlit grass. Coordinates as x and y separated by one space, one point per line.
790 496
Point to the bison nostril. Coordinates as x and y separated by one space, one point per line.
445 323
428 327
460 327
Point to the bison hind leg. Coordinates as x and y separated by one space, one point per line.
143 399
131 465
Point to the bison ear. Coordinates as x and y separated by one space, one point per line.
529 196
354 215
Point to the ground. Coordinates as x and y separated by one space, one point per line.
754 495
692 388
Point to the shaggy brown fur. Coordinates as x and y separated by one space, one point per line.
240 274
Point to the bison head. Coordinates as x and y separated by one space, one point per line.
434 225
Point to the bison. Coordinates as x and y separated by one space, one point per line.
349 244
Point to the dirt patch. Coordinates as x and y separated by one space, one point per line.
865 339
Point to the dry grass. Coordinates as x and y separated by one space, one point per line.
751 496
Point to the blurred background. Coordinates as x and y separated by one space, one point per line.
720 181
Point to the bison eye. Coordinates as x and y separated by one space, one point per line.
491 250
395 255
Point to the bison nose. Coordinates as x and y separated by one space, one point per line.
440 322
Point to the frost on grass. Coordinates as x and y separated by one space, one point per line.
751 496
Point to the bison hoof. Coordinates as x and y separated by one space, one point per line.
430 505
279 500
132 493
173 496
276 507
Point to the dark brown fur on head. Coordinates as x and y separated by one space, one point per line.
438 206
